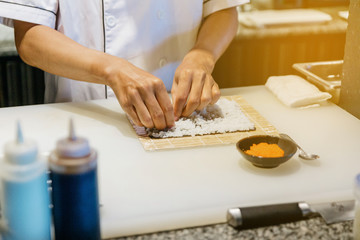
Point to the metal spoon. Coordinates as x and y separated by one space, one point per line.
302 154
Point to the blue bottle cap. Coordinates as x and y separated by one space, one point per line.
72 146
20 152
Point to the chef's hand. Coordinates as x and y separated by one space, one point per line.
193 86
142 96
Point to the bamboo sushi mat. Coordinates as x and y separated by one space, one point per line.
262 127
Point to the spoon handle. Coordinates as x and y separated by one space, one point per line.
283 135
302 154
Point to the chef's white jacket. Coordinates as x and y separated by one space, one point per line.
151 34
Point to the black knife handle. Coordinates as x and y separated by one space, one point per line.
261 216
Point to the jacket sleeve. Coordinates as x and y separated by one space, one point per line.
35 11
211 6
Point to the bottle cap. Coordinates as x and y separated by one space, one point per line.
19 151
72 146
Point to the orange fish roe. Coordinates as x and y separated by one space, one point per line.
265 150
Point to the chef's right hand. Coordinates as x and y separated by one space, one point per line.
141 95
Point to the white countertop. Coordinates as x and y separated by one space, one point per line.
154 191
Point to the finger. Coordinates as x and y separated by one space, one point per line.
216 94
134 117
206 95
164 101
142 111
149 93
156 112
128 107
195 94
182 91
173 97
174 90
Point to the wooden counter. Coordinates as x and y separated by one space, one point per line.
255 54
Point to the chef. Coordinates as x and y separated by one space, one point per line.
134 50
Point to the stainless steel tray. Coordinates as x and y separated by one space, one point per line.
326 75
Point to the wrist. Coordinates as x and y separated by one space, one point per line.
203 57
105 68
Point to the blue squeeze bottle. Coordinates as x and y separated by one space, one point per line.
73 166
25 197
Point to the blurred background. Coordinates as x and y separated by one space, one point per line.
284 37
272 36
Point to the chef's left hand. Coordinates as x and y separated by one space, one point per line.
193 87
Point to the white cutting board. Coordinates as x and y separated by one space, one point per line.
153 191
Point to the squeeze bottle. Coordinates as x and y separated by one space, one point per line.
25 199
73 167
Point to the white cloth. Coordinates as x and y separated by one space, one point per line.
344 14
153 34
294 91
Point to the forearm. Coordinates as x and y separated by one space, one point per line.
142 95
52 51
217 32
193 87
